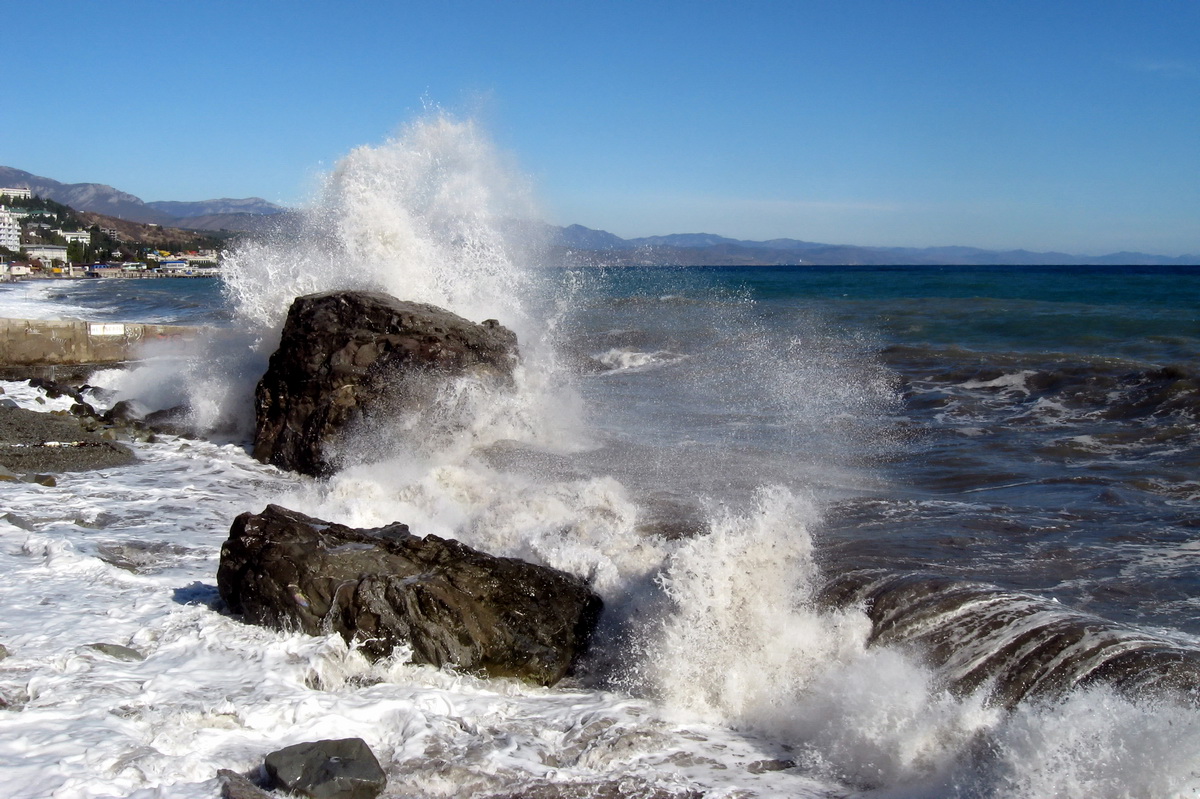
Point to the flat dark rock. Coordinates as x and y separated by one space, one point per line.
385 587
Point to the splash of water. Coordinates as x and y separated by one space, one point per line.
433 215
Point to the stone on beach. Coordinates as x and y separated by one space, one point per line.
348 355
338 769
386 587
236 786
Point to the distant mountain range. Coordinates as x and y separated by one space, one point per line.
577 244
586 246
224 214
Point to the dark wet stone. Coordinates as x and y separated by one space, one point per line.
117 651
82 409
101 521
125 411
341 769
347 357
237 786
1014 645
174 421
14 519
3 652
763 766
138 556
385 587
56 389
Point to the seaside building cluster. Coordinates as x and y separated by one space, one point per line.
40 241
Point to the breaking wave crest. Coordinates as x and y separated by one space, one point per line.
432 215
715 618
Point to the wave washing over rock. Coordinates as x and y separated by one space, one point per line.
698 490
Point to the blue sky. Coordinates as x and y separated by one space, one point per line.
1046 125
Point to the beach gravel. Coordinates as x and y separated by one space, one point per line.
31 441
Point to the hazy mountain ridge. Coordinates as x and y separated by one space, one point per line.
223 206
598 247
575 244
222 214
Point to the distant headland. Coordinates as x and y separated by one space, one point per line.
219 220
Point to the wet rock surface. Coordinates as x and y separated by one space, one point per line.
36 444
386 587
117 651
346 356
1014 645
338 769
237 786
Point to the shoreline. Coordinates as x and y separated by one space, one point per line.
143 276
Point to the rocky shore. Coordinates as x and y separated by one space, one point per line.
348 362
35 445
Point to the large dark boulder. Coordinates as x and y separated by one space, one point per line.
348 356
385 586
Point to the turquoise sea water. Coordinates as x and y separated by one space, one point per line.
1038 427
1035 429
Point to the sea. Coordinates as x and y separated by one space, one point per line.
859 531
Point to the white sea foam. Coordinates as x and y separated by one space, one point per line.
741 667
214 693
622 360
715 665
1014 381
37 299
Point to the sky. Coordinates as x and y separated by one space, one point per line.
1069 126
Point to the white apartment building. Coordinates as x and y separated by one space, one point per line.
47 253
73 236
10 229
18 194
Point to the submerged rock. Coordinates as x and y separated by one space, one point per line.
1014 645
385 587
346 355
118 651
341 769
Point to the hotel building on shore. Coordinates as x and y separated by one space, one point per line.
10 229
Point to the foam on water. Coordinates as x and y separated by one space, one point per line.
37 299
716 670
621 360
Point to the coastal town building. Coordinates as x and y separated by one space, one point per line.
17 194
10 229
185 268
46 253
72 236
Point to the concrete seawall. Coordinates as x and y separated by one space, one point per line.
39 342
